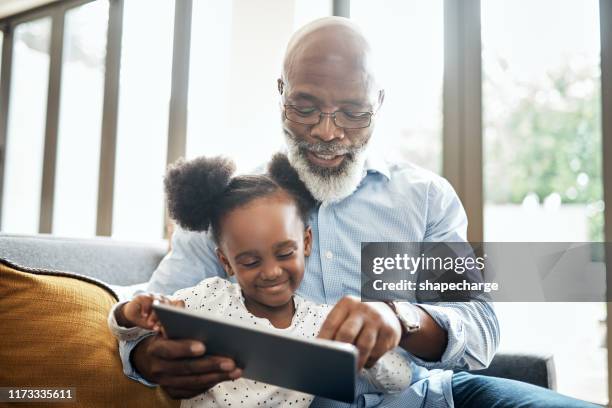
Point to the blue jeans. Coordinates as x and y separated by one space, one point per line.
480 391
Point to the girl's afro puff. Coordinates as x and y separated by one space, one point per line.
281 171
194 187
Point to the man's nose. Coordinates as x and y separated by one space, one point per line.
327 130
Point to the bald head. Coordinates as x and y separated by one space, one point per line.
328 44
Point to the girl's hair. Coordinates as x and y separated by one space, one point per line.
200 192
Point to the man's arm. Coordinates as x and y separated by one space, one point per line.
429 342
472 329
452 335
191 259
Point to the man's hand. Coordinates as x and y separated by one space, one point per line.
372 327
181 367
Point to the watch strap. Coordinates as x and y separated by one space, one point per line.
409 324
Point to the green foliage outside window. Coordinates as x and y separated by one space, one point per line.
548 145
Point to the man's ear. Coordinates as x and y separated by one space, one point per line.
281 85
224 262
307 241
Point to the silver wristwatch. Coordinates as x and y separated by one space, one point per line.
408 316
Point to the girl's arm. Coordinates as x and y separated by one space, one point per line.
391 374
136 319
122 333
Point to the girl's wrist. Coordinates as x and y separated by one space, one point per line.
120 317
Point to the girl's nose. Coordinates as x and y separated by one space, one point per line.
271 272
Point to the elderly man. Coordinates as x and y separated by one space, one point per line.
329 99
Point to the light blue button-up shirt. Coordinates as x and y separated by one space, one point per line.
393 203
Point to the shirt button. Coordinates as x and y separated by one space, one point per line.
329 254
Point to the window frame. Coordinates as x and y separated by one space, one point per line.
605 16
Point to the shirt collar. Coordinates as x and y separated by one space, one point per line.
376 163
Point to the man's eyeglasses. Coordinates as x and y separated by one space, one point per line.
342 119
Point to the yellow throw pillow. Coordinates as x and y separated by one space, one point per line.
53 334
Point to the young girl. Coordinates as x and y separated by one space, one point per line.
259 224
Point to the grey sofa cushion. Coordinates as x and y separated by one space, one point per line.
537 369
106 259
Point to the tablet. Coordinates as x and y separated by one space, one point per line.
314 366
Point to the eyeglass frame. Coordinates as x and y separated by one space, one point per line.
332 114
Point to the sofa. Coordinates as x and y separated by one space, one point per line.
44 272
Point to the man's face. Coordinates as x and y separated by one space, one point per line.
329 158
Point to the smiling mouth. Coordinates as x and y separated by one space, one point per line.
273 286
325 160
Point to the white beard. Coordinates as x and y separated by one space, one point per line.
332 187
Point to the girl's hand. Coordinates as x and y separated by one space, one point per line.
139 311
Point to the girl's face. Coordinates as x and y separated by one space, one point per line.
264 244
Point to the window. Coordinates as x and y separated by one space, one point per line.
408 38
82 93
26 126
146 67
542 164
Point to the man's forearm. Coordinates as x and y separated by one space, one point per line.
455 335
429 342
126 349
